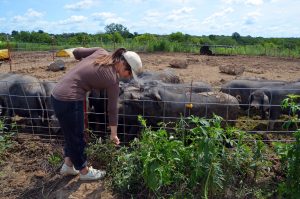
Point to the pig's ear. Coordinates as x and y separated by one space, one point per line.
157 95
135 95
154 94
239 98
266 102
250 98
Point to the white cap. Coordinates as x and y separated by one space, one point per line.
135 62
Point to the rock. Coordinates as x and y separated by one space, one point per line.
178 63
57 65
232 70
169 76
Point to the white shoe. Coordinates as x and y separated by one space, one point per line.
66 170
93 174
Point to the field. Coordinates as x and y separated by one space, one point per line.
200 68
26 172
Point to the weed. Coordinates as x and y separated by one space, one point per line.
198 159
55 159
290 153
6 140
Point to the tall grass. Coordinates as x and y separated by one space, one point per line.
163 45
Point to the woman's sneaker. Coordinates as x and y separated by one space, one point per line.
66 170
93 174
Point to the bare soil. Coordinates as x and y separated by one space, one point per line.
25 171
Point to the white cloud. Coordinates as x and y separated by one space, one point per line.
73 20
108 18
179 1
153 14
251 18
2 19
151 19
231 1
30 15
218 15
179 14
33 13
247 2
133 1
19 19
184 10
254 2
81 5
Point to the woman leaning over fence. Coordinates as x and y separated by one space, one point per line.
97 70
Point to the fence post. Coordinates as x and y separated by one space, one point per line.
52 47
9 55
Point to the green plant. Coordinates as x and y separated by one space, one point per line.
122 164
6 142
290 153
291 103
55 159
102 151
198 159
126 171
291 187
6 139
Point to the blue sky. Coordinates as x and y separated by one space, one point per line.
266 18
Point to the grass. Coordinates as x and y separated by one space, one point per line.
163 46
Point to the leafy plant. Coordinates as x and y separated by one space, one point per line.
290 154
6 139
55 159
291 103
198 159
103 151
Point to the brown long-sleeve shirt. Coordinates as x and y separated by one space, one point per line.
86 76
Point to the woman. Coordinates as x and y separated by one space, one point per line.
96 70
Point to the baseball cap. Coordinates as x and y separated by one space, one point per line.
135 62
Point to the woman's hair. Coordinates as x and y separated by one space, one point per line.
108 60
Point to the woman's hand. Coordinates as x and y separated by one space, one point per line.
115 139
114 135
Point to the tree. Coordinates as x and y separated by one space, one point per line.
236 36
117 37
212 37
113 28
24 36
145 38
177 37
2 37
14 33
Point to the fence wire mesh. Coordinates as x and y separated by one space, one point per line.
21 111
19 108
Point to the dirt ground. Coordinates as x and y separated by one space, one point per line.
25 171
200 68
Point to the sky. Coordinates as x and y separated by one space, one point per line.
257 18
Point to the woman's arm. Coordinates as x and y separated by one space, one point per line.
113 135
113 96
80 53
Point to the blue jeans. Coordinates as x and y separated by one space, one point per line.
71 120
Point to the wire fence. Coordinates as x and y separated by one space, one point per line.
26 108
19 107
